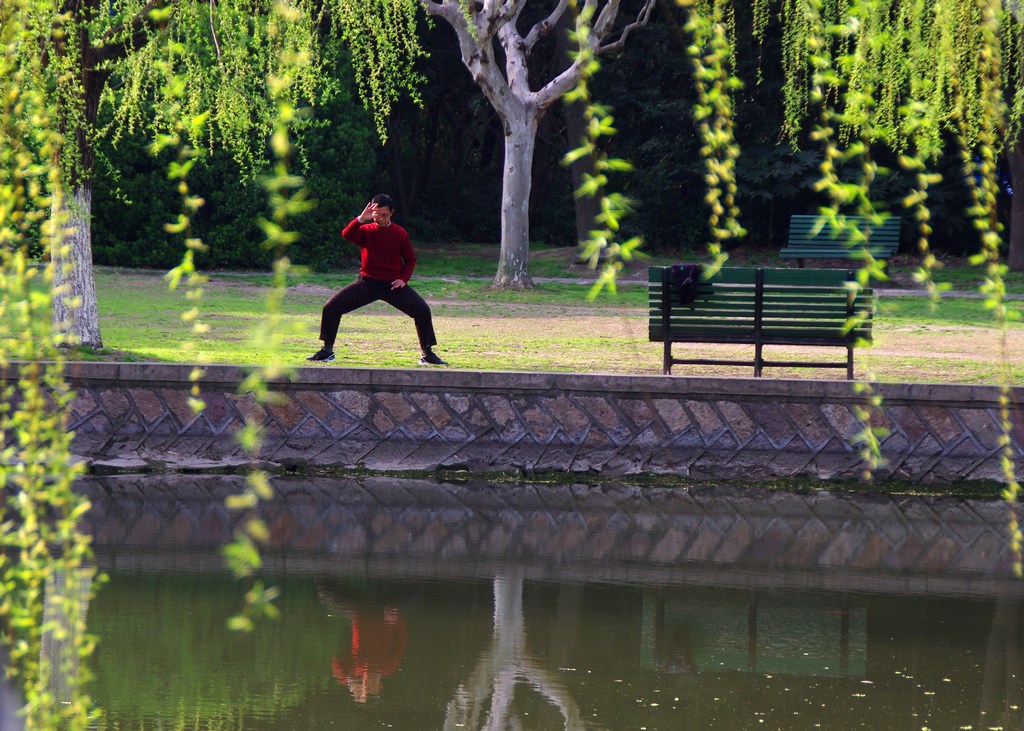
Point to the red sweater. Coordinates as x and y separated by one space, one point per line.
387 253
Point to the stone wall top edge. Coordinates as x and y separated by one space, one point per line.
81 373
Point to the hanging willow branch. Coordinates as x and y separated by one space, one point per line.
196 75
603 246
46 570
711 54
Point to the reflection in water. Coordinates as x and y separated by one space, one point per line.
10 719
503 655
376 645
1003 681
60 638
577 612
484 701
772 633
65 602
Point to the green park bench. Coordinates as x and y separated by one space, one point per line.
805 242
759 307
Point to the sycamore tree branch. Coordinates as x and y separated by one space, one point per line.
567 79
544 27
604 19
560 85
517 72
477 53
452 13
498 14
495 20
642 19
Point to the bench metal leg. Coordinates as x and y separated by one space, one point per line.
666 320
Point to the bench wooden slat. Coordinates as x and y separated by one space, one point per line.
725 275
816 307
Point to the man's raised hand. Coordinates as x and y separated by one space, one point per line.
367 215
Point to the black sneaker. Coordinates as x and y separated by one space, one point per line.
430 358
322 354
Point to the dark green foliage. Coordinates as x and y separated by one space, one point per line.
651 89
131 208
442 162
340 161
133 199
444 159
651 92
775 182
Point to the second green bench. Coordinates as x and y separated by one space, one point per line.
805 242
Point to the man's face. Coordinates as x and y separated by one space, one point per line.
381 214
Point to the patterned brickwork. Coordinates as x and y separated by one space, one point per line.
618 533
481 421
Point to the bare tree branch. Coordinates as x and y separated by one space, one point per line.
642 19
213 32
544 27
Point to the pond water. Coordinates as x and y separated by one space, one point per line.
417 605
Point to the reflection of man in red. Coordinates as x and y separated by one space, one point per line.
377 649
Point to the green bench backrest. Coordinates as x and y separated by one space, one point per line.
797 304
883 239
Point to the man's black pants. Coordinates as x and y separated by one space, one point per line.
362 292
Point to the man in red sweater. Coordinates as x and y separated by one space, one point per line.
387 264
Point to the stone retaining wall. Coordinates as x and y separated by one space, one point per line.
714 536
134 415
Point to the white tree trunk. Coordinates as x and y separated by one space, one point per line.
76 319
517 179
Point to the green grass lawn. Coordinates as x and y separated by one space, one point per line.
553 327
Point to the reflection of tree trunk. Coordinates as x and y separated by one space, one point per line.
509 632
10 704
66 604
1003 676
484 701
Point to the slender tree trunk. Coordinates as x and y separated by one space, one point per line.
75 310
1015 255
76 319
520 142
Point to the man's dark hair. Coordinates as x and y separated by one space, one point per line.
383 199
